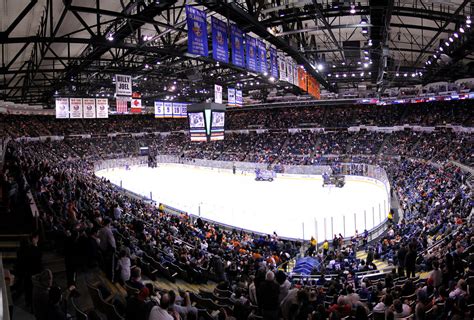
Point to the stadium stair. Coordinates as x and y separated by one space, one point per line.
9 245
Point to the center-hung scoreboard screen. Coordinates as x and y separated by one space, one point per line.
206 121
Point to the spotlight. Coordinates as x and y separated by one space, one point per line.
446 43
352 11
413 75
435 56
147 66
110 37
397 74
361 74
337 76
456 35
405 75
461 30
353 75
344 75
366 65
272 78
265 73
320 67
451 39
329 74
468 20
441 49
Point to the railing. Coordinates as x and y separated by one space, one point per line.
4 303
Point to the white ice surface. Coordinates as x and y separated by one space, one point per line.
287 205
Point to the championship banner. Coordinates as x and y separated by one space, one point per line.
239 102
313 87
197 31
289 70
184 110
75 108
282 67
262 57
136 106
217 93
176 110
88 105
237 41
62 108
159 109
168 110
123 85
231 97
102 108
302 79
220 44
273 63
251 44
295 74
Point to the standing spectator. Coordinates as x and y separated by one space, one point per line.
41 284
284 284
123 266
401 255
107 246
410 261
325 247
268 293
29 264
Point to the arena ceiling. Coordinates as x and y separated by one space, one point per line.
75 47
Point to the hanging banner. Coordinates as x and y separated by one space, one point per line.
217 93
102 108
313 87
302 79
197 31
273 63
231 97
88 105
168 109
62 108
176 110
237 42
282 67
121 104
159 109
295 74
251 45
75 108
239 101
123 85
289 70
184 110
136 106
220 44
262 57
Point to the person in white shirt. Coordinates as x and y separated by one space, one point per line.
161 312
123 265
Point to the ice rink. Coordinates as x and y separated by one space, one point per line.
288 205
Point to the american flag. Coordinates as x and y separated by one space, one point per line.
122 105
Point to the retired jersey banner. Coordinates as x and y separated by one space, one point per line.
184 110
176 110
251 45
282 67
168 109
88 105
62 108
217 93
273 63
231 97
123 85
159 109
102 106
302 79
313 87
295 74
220 44
237 42
197 31
239 101
289 70
75 108
262 57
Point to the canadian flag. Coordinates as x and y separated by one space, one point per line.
136 105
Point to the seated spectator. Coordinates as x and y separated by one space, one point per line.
400 310
136 279
160 312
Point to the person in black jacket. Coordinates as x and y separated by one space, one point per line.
410 261
267 296
401 255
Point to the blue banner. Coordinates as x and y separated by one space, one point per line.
251 44
262 57
220 44
237 40
274 63
197 31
